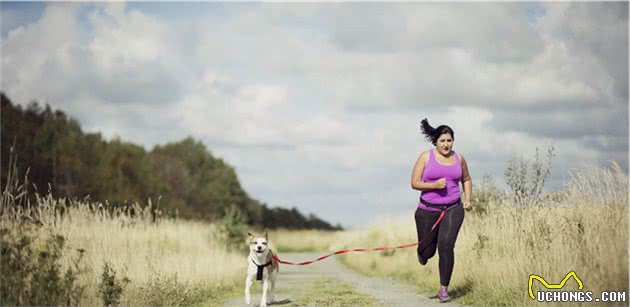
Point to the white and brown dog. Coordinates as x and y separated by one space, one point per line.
262 266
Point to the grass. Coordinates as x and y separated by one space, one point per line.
287 241
168 262
332 293
582 228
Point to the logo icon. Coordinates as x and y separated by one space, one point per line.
553 286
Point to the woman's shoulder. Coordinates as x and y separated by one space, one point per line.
424 155
459 156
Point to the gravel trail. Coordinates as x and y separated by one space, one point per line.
295 280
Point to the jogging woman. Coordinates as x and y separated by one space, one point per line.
437 174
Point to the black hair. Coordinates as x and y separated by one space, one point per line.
433 134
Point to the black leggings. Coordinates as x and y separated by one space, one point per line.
443 237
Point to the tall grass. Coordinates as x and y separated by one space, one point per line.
583 228
166 261
284 241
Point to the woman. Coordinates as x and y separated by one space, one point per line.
437 174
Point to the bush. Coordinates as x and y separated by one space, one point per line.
526 178
110 288
232 229
486 195
36 277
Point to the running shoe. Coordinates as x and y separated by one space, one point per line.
443 295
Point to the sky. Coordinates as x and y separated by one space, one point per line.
318 105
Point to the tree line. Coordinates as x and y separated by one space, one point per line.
190 182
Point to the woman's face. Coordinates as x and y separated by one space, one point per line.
444 144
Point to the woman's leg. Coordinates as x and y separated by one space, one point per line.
424 220
449 228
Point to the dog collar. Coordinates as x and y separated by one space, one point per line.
259 271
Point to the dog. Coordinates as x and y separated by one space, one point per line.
262 266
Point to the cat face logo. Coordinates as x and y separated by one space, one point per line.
553 286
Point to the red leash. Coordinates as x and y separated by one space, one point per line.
275 257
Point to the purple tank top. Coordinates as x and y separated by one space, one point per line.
433 171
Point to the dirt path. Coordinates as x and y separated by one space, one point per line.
293 281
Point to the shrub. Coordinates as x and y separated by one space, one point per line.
486 195
36 277
526 178
110 288
232 229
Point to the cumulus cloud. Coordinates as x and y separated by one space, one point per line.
416 27
318 104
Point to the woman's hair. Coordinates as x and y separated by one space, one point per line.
433 134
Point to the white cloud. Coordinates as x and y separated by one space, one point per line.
126 40
11 20
318 105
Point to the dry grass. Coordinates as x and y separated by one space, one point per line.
172 262
285 241
168 262
584 228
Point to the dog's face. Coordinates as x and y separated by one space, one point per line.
258 244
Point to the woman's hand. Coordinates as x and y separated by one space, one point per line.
467 205
439 184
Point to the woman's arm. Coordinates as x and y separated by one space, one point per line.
416 175
467 183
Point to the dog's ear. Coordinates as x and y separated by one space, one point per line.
250 234
266 236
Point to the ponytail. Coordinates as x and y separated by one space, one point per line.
432 134
427 130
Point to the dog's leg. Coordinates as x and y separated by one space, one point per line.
272 286
248 285
263 300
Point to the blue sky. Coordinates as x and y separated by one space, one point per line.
317 105
27 12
